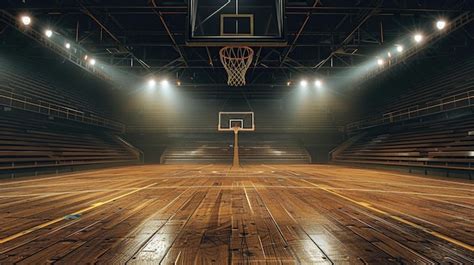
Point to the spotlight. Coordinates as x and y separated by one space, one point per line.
418 38
67 45
48 33
380 62
303 83
26 20
92 61
151 83
440 24
164 83
399 48
318 83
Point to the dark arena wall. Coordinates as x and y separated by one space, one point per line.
236 132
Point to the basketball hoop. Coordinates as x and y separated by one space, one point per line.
236 61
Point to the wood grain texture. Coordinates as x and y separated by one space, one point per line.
266 214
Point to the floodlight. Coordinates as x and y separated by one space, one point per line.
25 20
92 61
318 83
151 83
48 33
164 83
418 38
440 24
67 45
399 48
303 83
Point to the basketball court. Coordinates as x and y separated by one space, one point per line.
237 132
264 214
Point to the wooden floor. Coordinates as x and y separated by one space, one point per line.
262 215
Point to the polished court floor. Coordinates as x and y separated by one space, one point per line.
263 214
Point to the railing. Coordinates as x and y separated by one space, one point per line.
18 101
462 100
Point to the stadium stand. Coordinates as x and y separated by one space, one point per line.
22 86
446 144
451 90
37 144
250 152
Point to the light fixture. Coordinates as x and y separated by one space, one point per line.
85 57
25 20
303 83
48 33
440 24
178 83
164 83
92 61
318 83
67 45
399 48
418 37
380 61
288 83
151 83
389 54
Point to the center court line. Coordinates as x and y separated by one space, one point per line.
81 211
397 218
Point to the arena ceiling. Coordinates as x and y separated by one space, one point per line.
325 38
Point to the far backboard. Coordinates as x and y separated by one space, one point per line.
236 22
245 121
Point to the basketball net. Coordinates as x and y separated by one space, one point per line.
236 61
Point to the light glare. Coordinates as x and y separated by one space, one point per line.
92 61
380 62
48 33
318 83
26 20
67 45
304 83
441 24
418 38
151 83
164 83
399 48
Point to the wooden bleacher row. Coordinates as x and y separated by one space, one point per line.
249 152
20 78
34 144
454 80
446 144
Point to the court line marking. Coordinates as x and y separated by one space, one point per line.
81 211
397 218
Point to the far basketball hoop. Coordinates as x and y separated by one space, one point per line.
236 61
232 121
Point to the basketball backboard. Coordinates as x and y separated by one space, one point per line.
236 22
244 121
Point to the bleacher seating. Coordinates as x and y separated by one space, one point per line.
21 80
435 93
447 144
32 143
250 152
